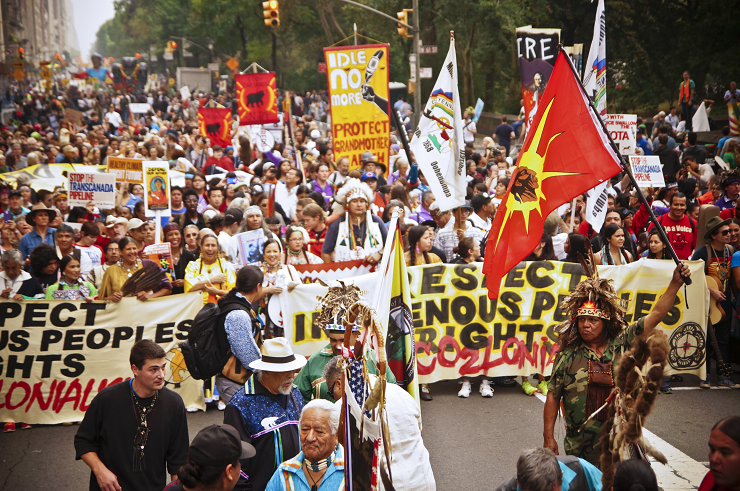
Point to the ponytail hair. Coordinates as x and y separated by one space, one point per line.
192 474
247 280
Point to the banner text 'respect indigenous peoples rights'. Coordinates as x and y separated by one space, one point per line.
55 355
460 332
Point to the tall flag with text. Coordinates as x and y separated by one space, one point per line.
438 143
594 75
215 123
566 153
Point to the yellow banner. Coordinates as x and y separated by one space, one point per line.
358 78
126 170
56 355
48 176
460 332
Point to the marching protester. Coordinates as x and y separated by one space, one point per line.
209 273
71 286
117 275
135 432
266 412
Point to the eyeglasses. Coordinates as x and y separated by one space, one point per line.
725 232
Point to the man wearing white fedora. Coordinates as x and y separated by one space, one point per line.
266 413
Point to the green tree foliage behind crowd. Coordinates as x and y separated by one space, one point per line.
649 42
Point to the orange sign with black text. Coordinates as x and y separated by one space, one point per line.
256 94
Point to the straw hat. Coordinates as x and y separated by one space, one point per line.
277 356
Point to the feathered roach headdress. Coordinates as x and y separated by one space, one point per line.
353 189
594 296
335 303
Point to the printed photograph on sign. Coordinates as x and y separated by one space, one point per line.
161 254
537 50
357 77
156 188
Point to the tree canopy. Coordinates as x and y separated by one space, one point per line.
649 42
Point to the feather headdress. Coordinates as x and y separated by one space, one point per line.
728 176
593 296
352 189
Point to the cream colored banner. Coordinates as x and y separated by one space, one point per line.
56 355
460 332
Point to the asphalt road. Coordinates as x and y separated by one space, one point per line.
473 443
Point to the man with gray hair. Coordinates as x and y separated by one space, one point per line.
320 464
539 469
266 412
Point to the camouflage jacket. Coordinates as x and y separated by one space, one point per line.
569 381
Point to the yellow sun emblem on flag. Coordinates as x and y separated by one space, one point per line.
526 191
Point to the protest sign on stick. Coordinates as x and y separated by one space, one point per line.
647 170
100 189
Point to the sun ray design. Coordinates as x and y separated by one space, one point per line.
526 193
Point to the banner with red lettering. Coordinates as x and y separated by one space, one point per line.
56 355
215 123
256 94
460 332
357 77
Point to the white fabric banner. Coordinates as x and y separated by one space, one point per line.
596 200
438 143
594 74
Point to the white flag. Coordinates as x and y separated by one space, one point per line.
594 73
596 201
438 143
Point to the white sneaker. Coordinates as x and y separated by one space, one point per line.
465 390
221 405
485 389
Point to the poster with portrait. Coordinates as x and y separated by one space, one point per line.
156 189
250 246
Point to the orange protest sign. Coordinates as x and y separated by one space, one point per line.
126 170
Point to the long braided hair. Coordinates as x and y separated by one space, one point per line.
415 233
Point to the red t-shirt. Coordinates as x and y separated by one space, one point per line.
225 163
681 233
315 244
707 484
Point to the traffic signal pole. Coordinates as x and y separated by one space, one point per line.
417 68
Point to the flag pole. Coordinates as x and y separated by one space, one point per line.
626 168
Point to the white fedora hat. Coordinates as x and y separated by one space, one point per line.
277 356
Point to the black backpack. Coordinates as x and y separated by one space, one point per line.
207 348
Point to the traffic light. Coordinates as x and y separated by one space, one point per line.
21 54
271 12
403 16
171 46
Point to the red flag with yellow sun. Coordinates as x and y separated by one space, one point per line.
256 94
215 123
565 154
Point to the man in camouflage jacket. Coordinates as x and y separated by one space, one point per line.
570 375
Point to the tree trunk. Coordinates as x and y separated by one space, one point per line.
467 69
333 18
242 38
324 23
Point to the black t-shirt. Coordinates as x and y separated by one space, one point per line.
109 428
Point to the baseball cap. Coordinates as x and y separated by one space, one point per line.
368 175
256 189
133 224
479 200
217 445
315 134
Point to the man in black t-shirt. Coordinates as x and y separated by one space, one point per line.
504 133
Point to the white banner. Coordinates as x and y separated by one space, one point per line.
100 189
594 75
596 201
438 143
623 130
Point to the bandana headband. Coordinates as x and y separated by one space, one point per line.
589 308
253 209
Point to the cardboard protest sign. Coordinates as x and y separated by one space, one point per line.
58 354
126 170
647 170
256 95
460 332
73 115
156 188
100 189
360 110
623 130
